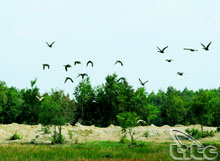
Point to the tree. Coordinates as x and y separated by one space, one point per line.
51 114
128 120
10 104
201 108
84 98
31 105
173 111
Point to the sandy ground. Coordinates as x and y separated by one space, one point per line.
82 133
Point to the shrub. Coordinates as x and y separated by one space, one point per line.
46 129
127 121
70 133
197 134
57 136
16 136
218 129
146 134
124 140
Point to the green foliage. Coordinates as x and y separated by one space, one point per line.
197 134
10 104
146 134
70 133
124 140
16 136
201 108
46 129
57 137
84 96
31 105
127 121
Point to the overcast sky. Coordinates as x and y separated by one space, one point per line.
105 31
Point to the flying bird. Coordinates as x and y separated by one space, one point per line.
82 75
206 47
180 73
68 78
122 78
67 66
193 50
143 83
118 61
169 60
161 51
46 65
141 121
40 98
50 45
77 62
90 62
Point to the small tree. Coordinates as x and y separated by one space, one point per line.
128 120
201 108
51 114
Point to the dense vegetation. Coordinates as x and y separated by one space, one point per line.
100 105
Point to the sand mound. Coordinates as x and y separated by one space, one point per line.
81 133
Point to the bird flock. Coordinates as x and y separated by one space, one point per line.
83 75
205 47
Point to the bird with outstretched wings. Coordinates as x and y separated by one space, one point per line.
67 66
82 75
162 50
190 49
77 62
46 65
50 45
143 83
68 78
118 61
206 47
89 62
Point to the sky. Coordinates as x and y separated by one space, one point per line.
105 31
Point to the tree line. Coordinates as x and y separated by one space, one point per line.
100 105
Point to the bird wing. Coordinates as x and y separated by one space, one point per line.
48 66
52 43
165 48
158 48
140 81
146 81
203 45
37 97
47 44
66 67
186 49
209 44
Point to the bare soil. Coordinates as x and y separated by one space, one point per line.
81 133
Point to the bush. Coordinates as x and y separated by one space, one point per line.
146 134
218 129
70 133
197 134
124 140
16 136
57 136
46 129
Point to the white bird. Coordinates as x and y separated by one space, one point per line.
40 98
141 121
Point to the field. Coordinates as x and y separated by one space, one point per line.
91 143
88 151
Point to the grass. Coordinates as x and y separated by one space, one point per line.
90 151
